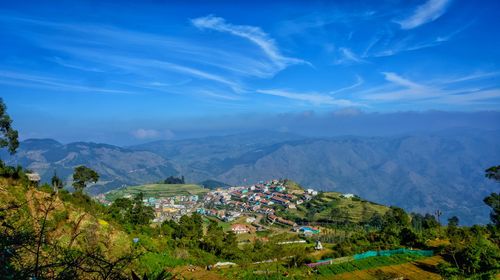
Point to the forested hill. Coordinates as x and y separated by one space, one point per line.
420 172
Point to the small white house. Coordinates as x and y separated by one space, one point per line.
347 195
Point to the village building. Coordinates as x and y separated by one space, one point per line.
239 228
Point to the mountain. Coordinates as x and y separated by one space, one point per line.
116 166
421 172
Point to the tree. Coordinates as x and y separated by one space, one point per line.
82 176
9 136
493 173
453 221
141 214
56 182
493 201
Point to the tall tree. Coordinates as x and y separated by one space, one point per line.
493 200
8 135
56 182
82 176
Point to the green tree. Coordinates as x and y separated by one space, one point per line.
56 182
493 201
493 173
453 221
9 136
82 176
141 214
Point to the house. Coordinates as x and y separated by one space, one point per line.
239 228
34 178
347 195
308 231
318 246
280 200
311 192
250 220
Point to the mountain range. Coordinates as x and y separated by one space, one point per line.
421 172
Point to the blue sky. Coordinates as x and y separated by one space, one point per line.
90 69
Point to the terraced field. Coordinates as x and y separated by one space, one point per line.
333 207
158 190
415 270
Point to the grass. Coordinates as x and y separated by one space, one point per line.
158 190
356 210
366 264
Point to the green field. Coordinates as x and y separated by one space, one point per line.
158 190
333 207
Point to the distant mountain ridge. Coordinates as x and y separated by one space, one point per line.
117 166
421 172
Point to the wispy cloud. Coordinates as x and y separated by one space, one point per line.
347 56
359 82
147 133
398 80
41 81
253 34
310 97
436 91
428 12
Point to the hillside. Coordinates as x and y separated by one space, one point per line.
331 207
420 172
157 190
116 166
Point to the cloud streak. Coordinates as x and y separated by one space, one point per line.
311 97
347 56
253 34
428 12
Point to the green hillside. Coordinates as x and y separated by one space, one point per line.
332 207
158 190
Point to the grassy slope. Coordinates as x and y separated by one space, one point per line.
356 210
158 190
67 220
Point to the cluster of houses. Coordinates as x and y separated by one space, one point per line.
259 198
172 207
262 198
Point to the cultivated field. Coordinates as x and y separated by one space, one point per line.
158 190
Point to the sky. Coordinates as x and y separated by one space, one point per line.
125 72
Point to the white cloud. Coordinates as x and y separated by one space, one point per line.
146 133
348 56
143 133
435 91
359 82
396 79
428 12
311 97
253 34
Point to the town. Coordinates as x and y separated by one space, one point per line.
255 204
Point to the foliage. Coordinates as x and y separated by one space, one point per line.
56 182
174 180
9 136
366 264
82 176
131 212
493 173
493 200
